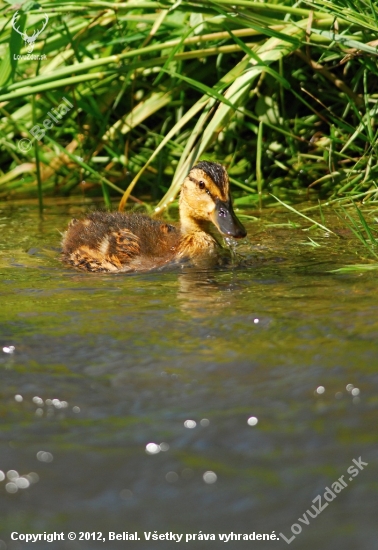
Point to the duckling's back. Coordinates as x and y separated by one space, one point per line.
118 241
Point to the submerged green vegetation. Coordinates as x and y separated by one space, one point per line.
284 94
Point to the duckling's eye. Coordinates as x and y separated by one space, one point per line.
201 184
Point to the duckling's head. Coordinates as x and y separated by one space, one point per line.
205 197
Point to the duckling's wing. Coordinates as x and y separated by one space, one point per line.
120 246
103 249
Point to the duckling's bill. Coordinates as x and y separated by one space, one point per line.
225 220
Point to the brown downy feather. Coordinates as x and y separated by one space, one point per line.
116 241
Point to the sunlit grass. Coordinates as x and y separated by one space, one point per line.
284 96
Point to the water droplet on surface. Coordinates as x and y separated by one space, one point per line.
171 477
37 400
252 421
22 483
210 477
152 448
44 456
11 487
190 424
32 477
126 494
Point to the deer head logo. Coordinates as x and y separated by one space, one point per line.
29 40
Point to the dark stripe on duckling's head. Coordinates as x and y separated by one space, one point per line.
216 172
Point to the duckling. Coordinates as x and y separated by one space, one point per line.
119 242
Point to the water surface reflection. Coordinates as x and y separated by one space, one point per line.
159 375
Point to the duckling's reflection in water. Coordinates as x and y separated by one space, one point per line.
205 289
201 295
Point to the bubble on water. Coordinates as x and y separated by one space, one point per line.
48 402
57 404
152 448
210 477
252 421
171 477
76 409
8 349
39 412
12 475
338 395
11 487
205 422
2 475
44 456
355 391
356 400
190 424
256 321
164 446
349 387
320 390
18 398
63 404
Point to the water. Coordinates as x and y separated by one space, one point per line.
134 393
